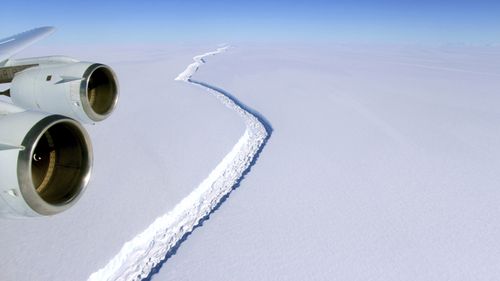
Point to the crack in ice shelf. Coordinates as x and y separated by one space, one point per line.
140 255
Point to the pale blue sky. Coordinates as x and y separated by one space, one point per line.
403 21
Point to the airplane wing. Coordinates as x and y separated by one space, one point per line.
12 45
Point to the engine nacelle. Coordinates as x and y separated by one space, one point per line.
82 90
47 167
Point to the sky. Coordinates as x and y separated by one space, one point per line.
388 21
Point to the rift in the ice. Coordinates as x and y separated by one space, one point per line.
255 113
143 256
269 130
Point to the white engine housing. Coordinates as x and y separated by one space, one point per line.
47 167
81 90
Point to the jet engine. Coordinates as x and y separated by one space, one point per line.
46 165
81 90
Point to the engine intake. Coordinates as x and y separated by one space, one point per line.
99 92
53 169
55 163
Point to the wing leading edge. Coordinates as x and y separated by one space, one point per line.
12 45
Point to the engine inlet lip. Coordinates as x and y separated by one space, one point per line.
84 87
24 174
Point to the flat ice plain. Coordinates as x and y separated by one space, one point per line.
383 165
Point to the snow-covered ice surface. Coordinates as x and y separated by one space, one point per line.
383 165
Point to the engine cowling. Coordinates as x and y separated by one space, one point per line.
48 166
85 91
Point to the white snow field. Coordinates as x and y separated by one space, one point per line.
382 165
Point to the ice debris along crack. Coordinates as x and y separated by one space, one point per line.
140 255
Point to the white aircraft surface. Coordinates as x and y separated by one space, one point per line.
45 153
